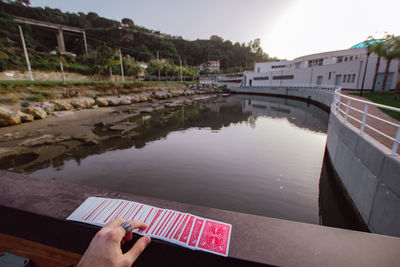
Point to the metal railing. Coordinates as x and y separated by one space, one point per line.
297 86
349 107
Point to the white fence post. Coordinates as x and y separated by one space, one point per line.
347 111
364 119
396 142
338 105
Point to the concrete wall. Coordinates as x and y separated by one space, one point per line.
370 175
320 96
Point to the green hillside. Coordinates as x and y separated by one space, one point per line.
104 37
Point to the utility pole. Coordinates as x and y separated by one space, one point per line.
85 42
180 64
158 61
25 52
122 66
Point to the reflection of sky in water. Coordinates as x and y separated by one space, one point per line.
268 167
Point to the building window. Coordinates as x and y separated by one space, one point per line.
283 77
353 78
297 65
339 59
261 78
329 75
258 69
315 62
345 59
344 78
348 78
351 58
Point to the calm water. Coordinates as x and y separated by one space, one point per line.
252 154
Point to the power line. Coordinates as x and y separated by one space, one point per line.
133 51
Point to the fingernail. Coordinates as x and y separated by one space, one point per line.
147 239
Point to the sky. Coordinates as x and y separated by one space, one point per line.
287 28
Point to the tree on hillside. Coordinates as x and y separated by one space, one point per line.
110 63
3 61
24 2
216 38
154 67
128 22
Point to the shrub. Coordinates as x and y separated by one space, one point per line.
44 94
37 97
25 104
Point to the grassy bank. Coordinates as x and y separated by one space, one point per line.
384 99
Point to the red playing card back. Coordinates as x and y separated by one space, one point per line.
185 234
195 232
215 237
180 229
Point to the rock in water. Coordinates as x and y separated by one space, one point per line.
89 102
160 95
147 110
25 117
125 101
87 138
37 112
101 102
62 105
113 101
48 107
79 104
136 99
143 98
46 139
8 117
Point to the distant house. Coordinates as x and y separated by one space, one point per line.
143 67
211 66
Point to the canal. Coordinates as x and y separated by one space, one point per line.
253 154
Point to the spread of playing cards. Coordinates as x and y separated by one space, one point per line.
176 227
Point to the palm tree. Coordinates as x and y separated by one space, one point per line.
388 54
62 61
396 51
377 49
110 63
370 41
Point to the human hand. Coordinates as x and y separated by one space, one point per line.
105 247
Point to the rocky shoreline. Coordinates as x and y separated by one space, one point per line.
60 127
17 115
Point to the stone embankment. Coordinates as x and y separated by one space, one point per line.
36 111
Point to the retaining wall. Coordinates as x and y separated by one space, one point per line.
370 175
320 96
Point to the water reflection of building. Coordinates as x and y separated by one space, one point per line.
299 113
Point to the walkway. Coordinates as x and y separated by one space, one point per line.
386 128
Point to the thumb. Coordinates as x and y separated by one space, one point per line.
137 248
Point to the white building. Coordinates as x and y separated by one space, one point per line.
210 66
347 68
